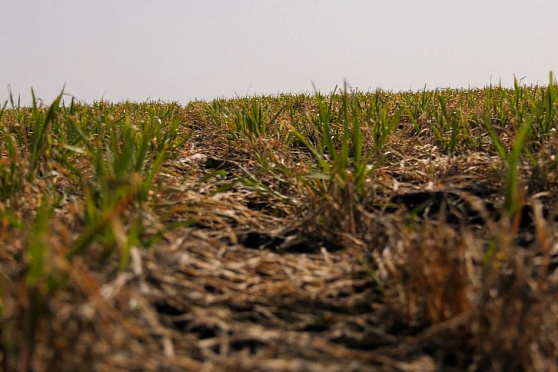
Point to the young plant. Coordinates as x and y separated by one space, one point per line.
448 127
544 110
11 171
39 135
345 164
125 161
2 109
512 195
253 121
416 106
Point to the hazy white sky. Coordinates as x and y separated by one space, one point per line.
182 50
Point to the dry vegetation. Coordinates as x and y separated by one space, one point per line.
412 231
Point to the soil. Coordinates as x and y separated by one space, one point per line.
247 281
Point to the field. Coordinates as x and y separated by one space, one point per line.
347 231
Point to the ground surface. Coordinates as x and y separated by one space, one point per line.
250 257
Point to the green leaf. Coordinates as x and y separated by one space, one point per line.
38 247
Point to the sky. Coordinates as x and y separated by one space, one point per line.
185 50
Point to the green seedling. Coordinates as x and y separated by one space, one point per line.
344 163
512 197
11 170
39 135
